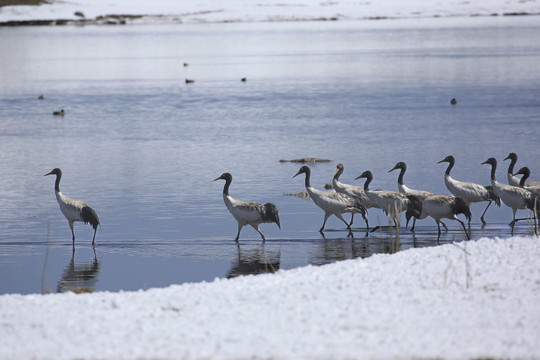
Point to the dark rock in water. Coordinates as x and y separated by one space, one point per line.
61 112
303 195
243 79
453 101
78 13
41 97
307 160
189 81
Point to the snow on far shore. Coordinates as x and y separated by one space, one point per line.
197 11
476 299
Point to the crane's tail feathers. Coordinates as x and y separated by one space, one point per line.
414 207
271 214
460 207
493 196
89 216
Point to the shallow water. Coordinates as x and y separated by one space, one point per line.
142 147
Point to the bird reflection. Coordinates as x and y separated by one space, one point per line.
79 277
254 261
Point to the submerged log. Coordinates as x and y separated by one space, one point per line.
307 160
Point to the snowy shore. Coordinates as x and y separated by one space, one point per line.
195 11
477 299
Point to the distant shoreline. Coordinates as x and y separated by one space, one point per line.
21 2
127 18
124 19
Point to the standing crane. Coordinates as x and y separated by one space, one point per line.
74 210
248 212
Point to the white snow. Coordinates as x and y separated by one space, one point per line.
194 11
477 299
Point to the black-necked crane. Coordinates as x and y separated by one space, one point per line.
512 196
248 212
392 202
512 179
74 210
420 194
354 191
332 203
534 188
447 207
468 191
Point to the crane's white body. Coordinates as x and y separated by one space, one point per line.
442 207
71 208
245 212
468 191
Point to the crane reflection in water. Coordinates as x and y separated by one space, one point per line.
79 277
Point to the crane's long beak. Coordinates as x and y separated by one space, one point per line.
295 175
48 174
485 162
358 177
219 178
392 169
443 160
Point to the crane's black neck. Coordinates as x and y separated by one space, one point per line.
401 173
369 177
524 178
308 176
493 170
513 161
451 162
57 183
228 181
338 174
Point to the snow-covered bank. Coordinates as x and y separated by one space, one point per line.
467 300
194 11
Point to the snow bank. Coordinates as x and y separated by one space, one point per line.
195 11
479 299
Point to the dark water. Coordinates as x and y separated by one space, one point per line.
142 147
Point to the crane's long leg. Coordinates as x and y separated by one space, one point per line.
482 217
94 238
72 232
514 221
439 231
326 216
342 219
239 229
352 219
259 231
367 224
445 227
464 229
413 225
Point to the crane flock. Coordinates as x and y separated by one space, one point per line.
417 204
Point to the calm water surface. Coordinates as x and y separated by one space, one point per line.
142 147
